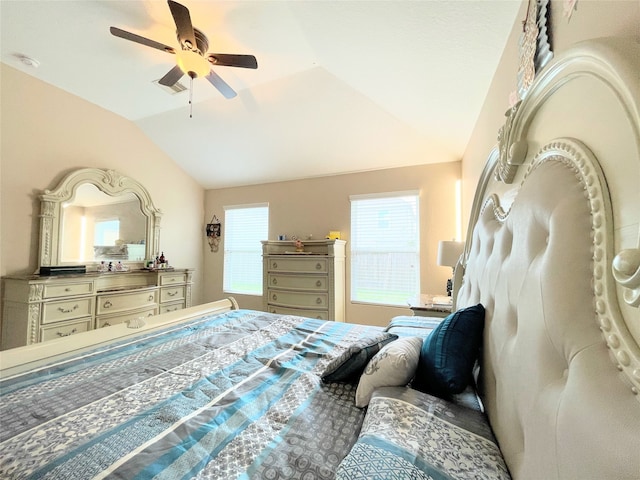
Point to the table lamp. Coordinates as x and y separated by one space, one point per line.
448 255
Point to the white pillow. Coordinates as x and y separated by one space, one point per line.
393 366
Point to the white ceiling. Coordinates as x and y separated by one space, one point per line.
341 86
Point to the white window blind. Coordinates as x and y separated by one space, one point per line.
244 227
385 247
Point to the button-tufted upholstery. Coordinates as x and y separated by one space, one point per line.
560 365
554 398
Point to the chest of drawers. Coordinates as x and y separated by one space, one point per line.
310 283
37 308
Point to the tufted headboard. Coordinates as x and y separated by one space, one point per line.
553 254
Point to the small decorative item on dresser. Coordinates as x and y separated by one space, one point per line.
299 245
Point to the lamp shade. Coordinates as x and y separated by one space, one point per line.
449 253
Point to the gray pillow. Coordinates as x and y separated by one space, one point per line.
348 367
393 366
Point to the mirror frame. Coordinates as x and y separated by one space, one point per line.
107 181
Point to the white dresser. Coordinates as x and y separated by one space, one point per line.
36 308
310 283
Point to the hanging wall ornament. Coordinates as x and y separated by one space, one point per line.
534 47
527 50
544 54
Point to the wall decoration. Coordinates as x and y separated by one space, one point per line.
543 49
534 48
527 50
534 53
213 232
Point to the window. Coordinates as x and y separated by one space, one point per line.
107 232
385 248
244 227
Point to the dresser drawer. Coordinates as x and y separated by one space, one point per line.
299 282
319 314
67 289
107 321
67 309
170 294
115 303
172 278
171 307
64 329
297 264
298 299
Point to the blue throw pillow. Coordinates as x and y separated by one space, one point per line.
348 367
449 353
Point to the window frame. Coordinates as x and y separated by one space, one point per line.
357 250
228 284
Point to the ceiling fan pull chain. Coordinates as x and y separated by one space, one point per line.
190 96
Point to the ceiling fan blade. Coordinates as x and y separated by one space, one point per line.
142 40
227 60
221 85
183 23
171 77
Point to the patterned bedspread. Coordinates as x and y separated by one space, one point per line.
237 395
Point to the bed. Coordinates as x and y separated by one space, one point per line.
551 375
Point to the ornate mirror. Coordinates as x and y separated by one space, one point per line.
97 215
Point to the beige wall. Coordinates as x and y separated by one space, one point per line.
47 132
315 206
592 19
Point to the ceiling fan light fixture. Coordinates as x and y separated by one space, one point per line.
191 59
192 63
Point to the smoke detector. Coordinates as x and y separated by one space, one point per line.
26 60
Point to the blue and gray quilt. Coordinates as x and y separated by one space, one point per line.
236 395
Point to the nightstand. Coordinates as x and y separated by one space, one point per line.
427 305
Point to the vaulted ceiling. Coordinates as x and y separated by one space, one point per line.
341 86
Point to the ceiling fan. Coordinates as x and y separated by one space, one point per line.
192 58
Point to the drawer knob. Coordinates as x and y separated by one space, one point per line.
107 304
318 266
274 297
170 294
318 283
67 289
106 324
274 264
68 310
318 300
61 334
274 281
151 298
